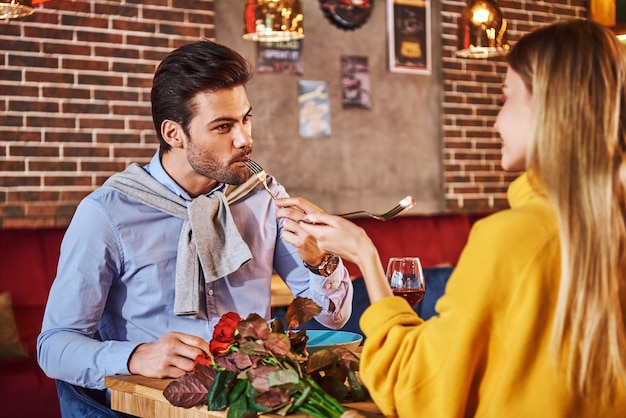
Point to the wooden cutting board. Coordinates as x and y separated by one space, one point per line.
143 397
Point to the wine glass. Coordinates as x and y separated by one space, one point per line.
406 278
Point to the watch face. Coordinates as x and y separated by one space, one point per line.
347 14
331 264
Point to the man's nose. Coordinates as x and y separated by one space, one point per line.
243 139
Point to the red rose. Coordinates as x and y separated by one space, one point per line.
223 333
202 359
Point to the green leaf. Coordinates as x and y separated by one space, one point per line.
335 388
251 393
356 388
218 392
238 389
237 402
283 377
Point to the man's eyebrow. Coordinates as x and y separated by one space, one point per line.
228 118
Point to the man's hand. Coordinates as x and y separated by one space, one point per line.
170 356
293 210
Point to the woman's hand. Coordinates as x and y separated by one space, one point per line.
172 355
338 236
342 237
293 210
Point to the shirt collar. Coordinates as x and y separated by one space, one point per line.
156 170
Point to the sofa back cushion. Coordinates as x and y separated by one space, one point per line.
436 239
30 258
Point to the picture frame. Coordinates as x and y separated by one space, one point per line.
409 36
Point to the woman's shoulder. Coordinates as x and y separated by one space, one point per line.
534 222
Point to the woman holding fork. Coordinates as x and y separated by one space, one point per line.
533 320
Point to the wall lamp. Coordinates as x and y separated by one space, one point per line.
17 8
482 31
273 20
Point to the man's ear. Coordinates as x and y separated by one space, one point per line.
172 133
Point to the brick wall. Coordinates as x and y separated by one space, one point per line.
472 89
74 99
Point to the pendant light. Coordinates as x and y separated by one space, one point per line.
14 9
482 31
273 20
17 8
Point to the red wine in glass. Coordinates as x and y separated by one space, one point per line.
413 296
406 278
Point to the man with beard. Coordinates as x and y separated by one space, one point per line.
154 257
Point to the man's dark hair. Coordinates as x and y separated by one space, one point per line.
193 68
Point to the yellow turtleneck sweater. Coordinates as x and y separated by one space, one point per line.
487 353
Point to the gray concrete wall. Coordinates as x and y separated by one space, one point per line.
373 158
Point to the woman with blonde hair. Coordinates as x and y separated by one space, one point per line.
532 323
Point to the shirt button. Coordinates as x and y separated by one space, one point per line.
210 292
327 286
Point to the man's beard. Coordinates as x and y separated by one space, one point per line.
212 169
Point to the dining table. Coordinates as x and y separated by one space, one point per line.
143 397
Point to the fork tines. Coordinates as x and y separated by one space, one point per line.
393 212
254 167
405 203
260 174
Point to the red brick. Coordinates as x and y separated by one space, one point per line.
56 122
68 137
105 166
99 37
90 108
12 165
66 92
23 106
33 151
110 138
19 136
100 123
47 77
112 51
89 151
32 61
66 49
73 180
86 64
101 80
84 21
48 166
116 10
18 181
39 32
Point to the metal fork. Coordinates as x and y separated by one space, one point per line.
260 174
406 203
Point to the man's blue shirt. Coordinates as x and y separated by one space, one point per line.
116 279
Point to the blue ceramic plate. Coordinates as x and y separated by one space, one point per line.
320 339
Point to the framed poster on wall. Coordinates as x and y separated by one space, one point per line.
408 31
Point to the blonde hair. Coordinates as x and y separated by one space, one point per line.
576 73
